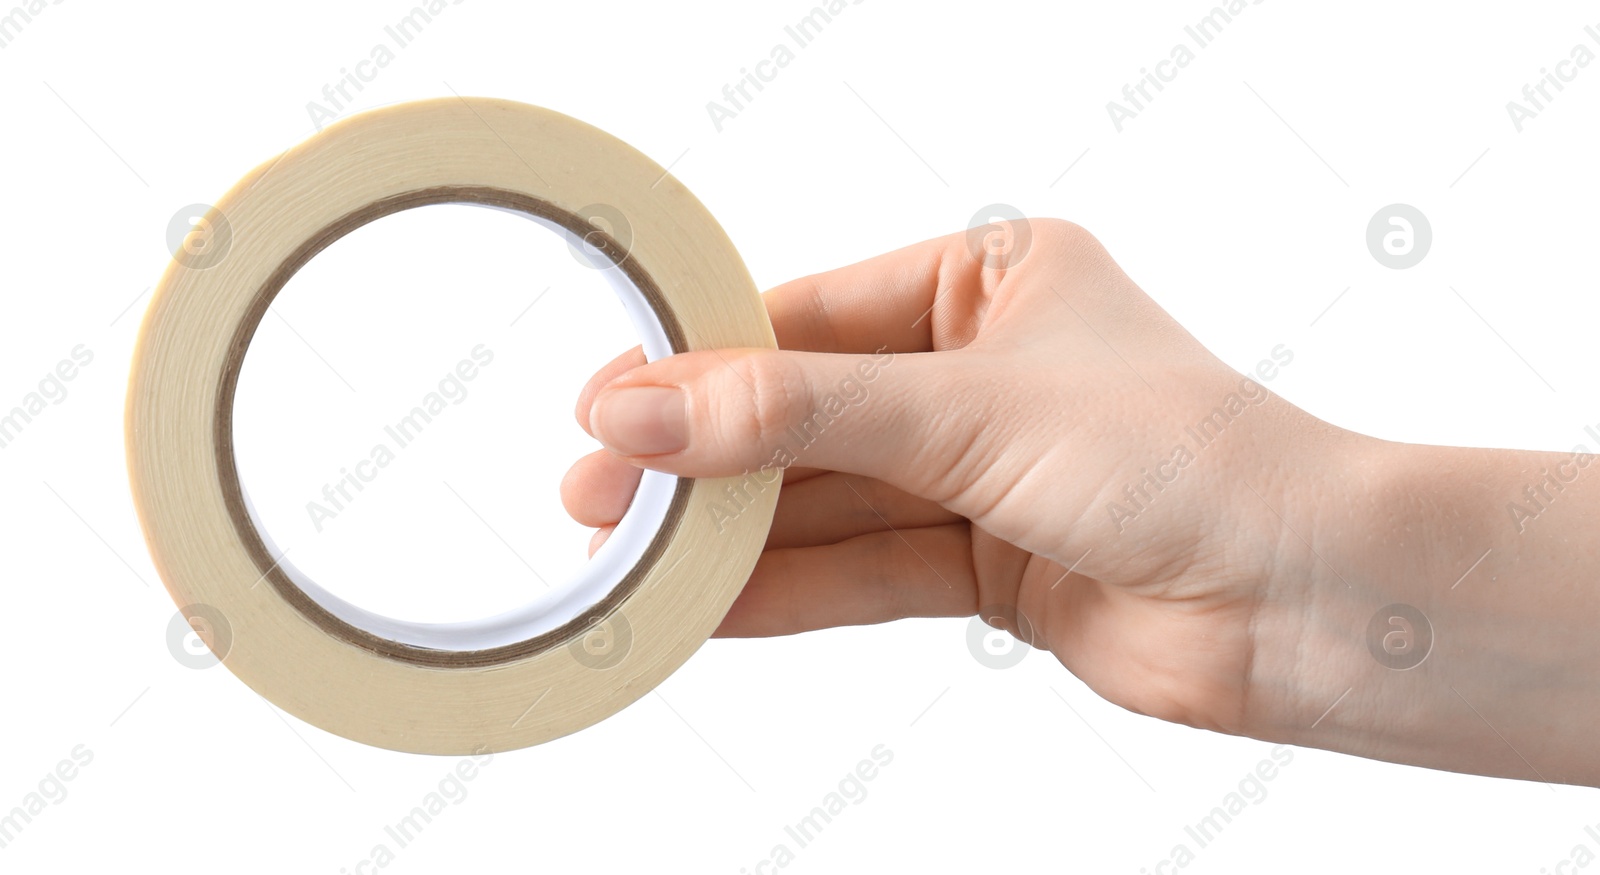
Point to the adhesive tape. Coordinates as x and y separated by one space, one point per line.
648 599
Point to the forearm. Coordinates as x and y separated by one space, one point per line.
1498 551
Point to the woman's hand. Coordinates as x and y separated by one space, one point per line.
1018 430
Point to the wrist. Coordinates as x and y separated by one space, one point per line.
1425 628
1337 513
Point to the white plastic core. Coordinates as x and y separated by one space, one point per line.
564 601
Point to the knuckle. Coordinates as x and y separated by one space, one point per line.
774 388
883 561
1059 228
1067 237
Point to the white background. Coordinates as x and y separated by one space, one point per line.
1239 199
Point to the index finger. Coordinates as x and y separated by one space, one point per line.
884 301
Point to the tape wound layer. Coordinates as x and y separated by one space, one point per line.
204 543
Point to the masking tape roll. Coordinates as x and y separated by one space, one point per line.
653 593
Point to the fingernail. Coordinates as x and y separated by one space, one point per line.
641 421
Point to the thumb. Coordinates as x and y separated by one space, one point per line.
723 413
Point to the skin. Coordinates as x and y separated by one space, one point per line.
1026 392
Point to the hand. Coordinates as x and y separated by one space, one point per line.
1009 407
1028 435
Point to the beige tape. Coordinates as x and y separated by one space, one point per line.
282 642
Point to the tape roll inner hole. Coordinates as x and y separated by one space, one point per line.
559 614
